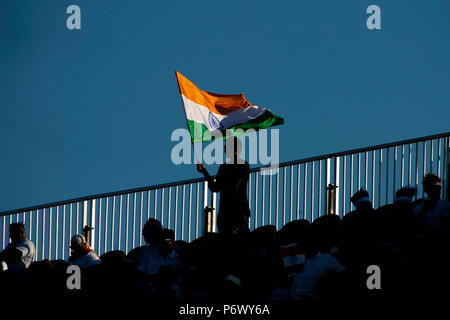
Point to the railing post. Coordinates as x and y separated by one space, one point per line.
87 234
331 199
208 214
88 228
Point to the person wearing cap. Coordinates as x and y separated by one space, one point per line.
82 255
361 229
19 254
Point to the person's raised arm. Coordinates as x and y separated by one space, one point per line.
212 185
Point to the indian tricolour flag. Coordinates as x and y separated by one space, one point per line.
210 113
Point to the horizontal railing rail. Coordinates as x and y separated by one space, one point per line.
300 189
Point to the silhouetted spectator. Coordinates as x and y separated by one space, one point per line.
158 251
432 213
398 221
360 233
231 181
19 254
307 284
82 255
292 238
325 233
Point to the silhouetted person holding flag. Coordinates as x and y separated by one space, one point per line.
231 181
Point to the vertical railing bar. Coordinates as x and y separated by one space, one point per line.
63 232
155 202
141 214
256 201
77 226
409 164
263 189
337 178
119 237
148 204
439 158
92 221
70 222
43 234
305 174
387 175
366 163
379 177
56 232
249 195
424 169
351 178
162 206
431 155
127 217
50 233
394 189
4 232
36 232
445 167
277 181
169 207
373 176
133 236
182 212
312 191
196 210
402 169
189 212
176 209
298 192
105 237
417 166
344 176
29 224
99 226
319 191
284 197
290 193
358 173
270 196
112 221
327 182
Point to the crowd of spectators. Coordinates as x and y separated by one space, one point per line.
301 265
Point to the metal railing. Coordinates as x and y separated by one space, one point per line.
294 190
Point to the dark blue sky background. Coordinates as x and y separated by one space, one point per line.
92 111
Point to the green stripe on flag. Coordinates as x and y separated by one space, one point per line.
199 132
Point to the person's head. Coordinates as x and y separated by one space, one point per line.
432 186
168 237
361 200
17 232
78 243
405 194
232 148
152 232
294 232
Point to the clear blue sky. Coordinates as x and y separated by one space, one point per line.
91 111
